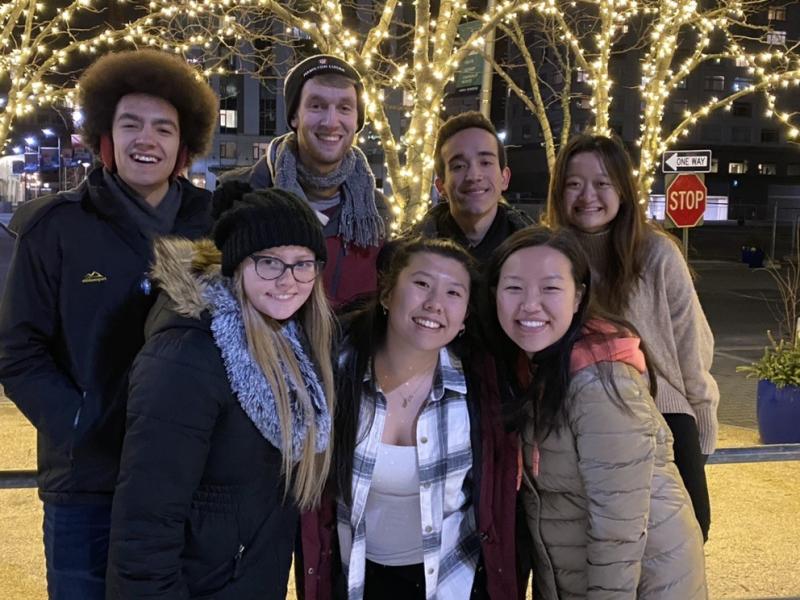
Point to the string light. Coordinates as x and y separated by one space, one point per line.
415 82
667 28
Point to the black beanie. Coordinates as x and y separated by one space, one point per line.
251 220
319 64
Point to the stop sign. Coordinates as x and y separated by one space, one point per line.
686 200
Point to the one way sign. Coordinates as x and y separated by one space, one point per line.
686 161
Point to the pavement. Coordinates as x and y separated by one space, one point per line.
752 552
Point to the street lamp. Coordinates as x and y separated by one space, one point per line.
50 133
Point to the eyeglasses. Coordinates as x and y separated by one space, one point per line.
303 271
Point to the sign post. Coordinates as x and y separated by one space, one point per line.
685 189
686 161
686 196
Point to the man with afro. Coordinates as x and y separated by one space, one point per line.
77 294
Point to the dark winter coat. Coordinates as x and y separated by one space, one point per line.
494 490
350 271
71 320
199 510
439 223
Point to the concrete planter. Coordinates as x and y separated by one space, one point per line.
778 412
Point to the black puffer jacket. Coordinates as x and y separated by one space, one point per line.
71 321
199 510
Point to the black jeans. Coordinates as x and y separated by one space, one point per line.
408 582
691 463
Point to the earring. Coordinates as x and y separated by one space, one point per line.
385 311
462 330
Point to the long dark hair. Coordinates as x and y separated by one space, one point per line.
365 333
547 388
628 229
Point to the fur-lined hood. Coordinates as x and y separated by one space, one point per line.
183 270
189 275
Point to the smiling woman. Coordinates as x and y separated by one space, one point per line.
640 275
230 407
412 431
605 504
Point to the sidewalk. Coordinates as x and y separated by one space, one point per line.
752 553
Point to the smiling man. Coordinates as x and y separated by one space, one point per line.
471 176
77 293
318 161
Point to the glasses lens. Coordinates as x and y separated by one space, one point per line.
305 271
269 268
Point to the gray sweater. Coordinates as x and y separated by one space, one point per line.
667 314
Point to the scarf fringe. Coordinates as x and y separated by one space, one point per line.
249 383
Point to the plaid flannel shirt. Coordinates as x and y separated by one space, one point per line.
450 542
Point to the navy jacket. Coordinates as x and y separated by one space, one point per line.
71 322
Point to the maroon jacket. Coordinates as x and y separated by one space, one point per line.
350 272
494 493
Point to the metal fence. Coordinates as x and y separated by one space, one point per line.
11 479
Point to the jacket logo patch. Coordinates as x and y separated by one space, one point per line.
93 277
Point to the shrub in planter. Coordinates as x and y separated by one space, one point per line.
778 370
780 364
778 393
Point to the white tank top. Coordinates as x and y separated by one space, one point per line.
392 513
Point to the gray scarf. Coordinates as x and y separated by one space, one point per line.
359 221
249 383
151 221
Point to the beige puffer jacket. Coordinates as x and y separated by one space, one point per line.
608 512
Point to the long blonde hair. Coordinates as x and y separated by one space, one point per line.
268 348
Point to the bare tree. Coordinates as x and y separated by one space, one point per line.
406 55
564 42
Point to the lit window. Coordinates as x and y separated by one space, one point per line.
740 83
777 13
741 61
737 167
227 119
585 103
581 76
767 169
776 37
